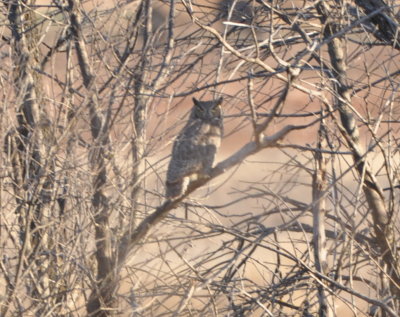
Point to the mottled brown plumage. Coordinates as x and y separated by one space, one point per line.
195 147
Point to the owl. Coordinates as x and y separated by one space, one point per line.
194 149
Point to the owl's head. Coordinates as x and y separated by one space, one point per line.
209 111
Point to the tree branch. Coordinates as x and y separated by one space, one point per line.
131 240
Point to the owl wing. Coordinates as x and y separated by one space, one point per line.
186 159
191 153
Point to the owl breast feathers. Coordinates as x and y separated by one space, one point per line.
195 147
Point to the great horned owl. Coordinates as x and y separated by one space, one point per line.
195 147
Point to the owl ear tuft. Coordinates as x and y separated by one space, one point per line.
220 101
195 101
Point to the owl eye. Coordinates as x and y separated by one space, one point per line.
199 112
215 111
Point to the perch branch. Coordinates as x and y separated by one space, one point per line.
131 239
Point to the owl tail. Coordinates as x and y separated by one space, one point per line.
173 189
